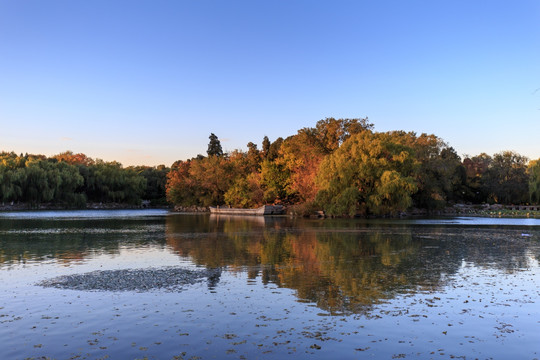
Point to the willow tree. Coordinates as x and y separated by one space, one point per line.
110 182
368 173
70 183
11 181
534 181
42 181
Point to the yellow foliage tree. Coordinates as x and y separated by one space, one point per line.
368 173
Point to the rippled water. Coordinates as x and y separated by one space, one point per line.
271 287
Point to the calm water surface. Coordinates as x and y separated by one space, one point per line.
285 288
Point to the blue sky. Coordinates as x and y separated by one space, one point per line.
146 82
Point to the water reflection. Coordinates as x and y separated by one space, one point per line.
344 266
32 240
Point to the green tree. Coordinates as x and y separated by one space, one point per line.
246 192
533 171
275 179
10 183
214 146
393 193
475 170
70 182
507 179
156 182
110 182
266 146
41 182
441 176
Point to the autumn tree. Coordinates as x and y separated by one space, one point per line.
370 173
213 175
301 155
348 169
181 188
74 159
333 132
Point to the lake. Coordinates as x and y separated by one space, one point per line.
147 284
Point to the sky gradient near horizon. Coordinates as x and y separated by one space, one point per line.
146 82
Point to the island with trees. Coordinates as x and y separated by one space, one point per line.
345 168
342 167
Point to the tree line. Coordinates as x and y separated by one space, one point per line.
72 180
344 167
341 166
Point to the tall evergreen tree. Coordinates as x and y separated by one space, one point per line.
214 146
266 146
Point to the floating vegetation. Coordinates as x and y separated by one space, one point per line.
54 231
139 280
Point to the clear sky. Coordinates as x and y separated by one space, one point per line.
146 82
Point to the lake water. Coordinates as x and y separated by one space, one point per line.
461 288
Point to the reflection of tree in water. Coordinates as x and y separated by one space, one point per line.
339 271
217 242
71 241
342 265
359 269
348 271
345 268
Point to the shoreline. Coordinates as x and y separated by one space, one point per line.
89 206
491 211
